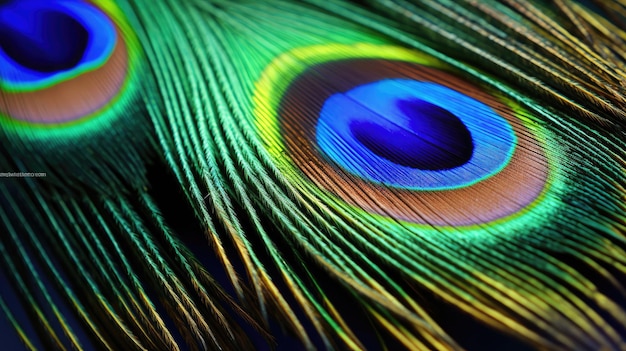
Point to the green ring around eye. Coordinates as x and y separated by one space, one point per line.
287 104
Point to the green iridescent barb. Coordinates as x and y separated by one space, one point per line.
216 174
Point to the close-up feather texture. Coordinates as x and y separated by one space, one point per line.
314 174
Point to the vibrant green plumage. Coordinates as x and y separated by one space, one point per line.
216 123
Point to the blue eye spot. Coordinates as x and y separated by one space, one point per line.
44 41
416 135
433 139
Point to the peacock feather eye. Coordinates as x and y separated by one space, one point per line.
69 90
401 136
63 62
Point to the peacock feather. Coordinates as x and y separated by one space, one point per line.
320 174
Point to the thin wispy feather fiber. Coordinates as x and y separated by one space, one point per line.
379 175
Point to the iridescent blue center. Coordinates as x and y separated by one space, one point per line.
42 39
410 134
433 139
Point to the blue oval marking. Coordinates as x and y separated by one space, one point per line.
368 129
27 17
